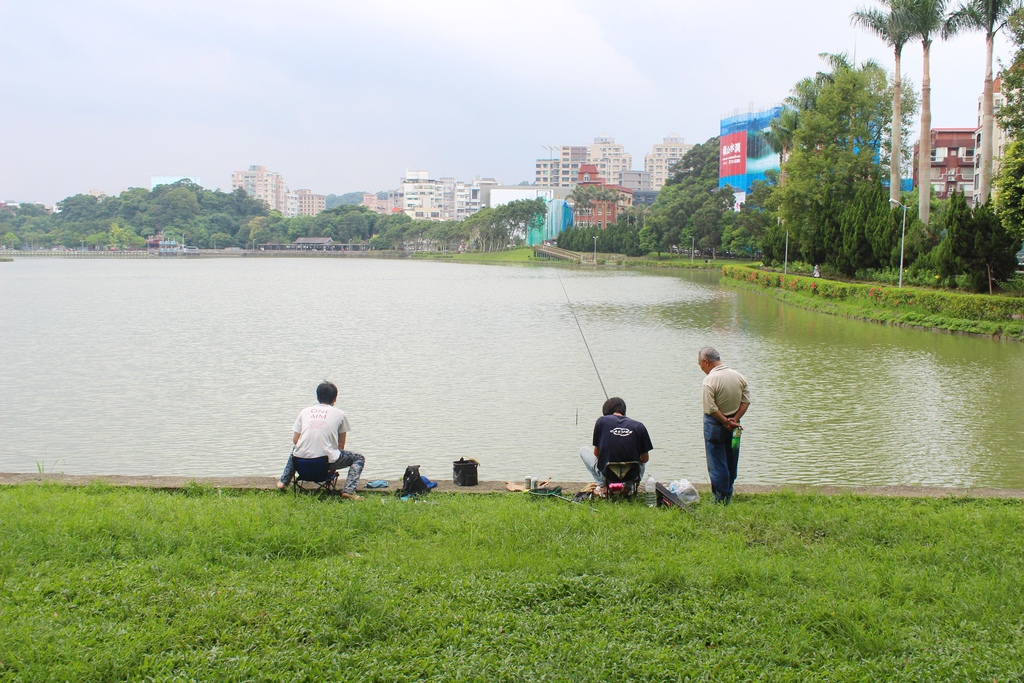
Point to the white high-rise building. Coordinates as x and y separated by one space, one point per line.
662 157
610 158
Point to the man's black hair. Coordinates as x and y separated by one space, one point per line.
326 392
614 405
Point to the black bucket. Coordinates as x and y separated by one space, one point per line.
464 472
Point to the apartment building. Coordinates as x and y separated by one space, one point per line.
998 146
461 199
561 167
952 162
421 196
662 157
310 204
446 199
270 187
638 181
610 158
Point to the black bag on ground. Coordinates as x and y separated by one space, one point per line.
412 482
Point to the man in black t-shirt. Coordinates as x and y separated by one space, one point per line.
617 438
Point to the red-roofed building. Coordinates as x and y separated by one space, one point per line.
596 202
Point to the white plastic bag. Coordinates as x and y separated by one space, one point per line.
686 491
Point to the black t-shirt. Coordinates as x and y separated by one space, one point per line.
620 439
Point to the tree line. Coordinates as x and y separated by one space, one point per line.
189 214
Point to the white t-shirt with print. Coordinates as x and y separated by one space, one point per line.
318 428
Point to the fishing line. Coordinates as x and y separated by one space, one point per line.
569 301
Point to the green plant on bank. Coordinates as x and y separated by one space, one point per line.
976 313
102 584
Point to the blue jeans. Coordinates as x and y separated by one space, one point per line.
722 458
350 459
590 462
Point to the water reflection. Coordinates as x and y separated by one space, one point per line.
199 367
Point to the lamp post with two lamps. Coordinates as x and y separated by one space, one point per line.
903 237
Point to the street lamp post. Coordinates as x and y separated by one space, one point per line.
595 251
903 237
693 244
254 245
785 265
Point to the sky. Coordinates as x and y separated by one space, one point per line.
341 96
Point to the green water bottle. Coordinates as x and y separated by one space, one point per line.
736 433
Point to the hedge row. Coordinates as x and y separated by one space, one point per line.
946 304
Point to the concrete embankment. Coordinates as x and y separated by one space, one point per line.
448 486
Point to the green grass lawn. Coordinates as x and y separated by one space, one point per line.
521 255
104 584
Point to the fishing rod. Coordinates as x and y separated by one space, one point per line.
569 301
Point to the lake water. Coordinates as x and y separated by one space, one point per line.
199 367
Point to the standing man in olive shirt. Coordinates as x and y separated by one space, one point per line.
725 399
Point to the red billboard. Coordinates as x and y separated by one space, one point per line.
732 157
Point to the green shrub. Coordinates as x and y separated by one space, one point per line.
939 303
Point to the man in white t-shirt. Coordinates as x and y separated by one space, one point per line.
321 430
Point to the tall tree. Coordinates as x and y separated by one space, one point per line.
1010 183
690 204
892 25
926 18
989 17
835 151
1011 114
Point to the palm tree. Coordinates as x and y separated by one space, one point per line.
582 199
989 16
780 137
807 91
892 27
926 18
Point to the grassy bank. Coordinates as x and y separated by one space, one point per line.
522 255
103 584
935 309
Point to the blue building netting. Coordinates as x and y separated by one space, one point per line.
558 218
759 156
